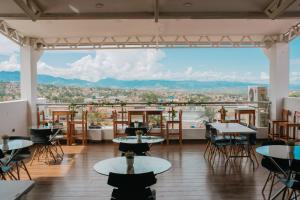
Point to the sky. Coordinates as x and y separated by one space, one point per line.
202 64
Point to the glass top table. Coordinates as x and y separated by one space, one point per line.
142 164
229 128
280 151
18 144
134 140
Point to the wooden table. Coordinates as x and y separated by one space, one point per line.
11 190
145 113
246 111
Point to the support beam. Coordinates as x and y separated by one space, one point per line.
278 7
29 59
30 8
156 11
278 56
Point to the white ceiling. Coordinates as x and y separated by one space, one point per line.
86 28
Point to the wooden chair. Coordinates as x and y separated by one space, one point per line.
276 128
82 125
41 119
69 115
250 113
118 122
173 131
157 113
136 113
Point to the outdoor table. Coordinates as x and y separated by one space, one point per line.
11 190
142 164
229 129
18 144
281 152
15 146
134 140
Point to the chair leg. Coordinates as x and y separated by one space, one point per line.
26 170
207 147
167 134
267 180
271 188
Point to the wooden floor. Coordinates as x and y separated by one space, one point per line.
191 176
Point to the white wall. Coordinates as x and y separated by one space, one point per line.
13 115
292 104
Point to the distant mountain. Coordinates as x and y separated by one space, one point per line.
189 85
138 84
46 79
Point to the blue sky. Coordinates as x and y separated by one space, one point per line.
203 64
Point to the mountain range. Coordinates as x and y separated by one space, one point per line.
137 84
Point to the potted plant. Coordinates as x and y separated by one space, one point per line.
129 159
139 134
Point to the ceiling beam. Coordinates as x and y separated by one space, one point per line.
156 11
30 8
149 15
278 7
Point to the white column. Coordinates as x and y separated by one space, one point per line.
278 56
28 76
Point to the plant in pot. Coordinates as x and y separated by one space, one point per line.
129 159
139 134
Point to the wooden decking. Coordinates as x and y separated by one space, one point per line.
191 177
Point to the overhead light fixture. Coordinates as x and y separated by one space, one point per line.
99 5
187 4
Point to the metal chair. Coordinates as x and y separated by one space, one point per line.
139 149
132 186
22 154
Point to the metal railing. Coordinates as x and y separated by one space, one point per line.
194 113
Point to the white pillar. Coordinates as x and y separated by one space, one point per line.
278 56
28 76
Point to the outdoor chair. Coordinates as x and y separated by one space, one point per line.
274 172
132 186
276 127
45 145
140 149
5 169
174 131
219 145
294 182
207 137
22 154
81 124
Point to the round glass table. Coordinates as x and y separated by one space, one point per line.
142 164
134 140
18 144
280 151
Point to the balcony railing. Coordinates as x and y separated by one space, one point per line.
194 113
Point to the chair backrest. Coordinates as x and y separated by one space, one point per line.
285 114
273 142
131 181
40 114
296 117
138 148
40 136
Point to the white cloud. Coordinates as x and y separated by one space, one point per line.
10 65
264 76
133 64
8 47
295 61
